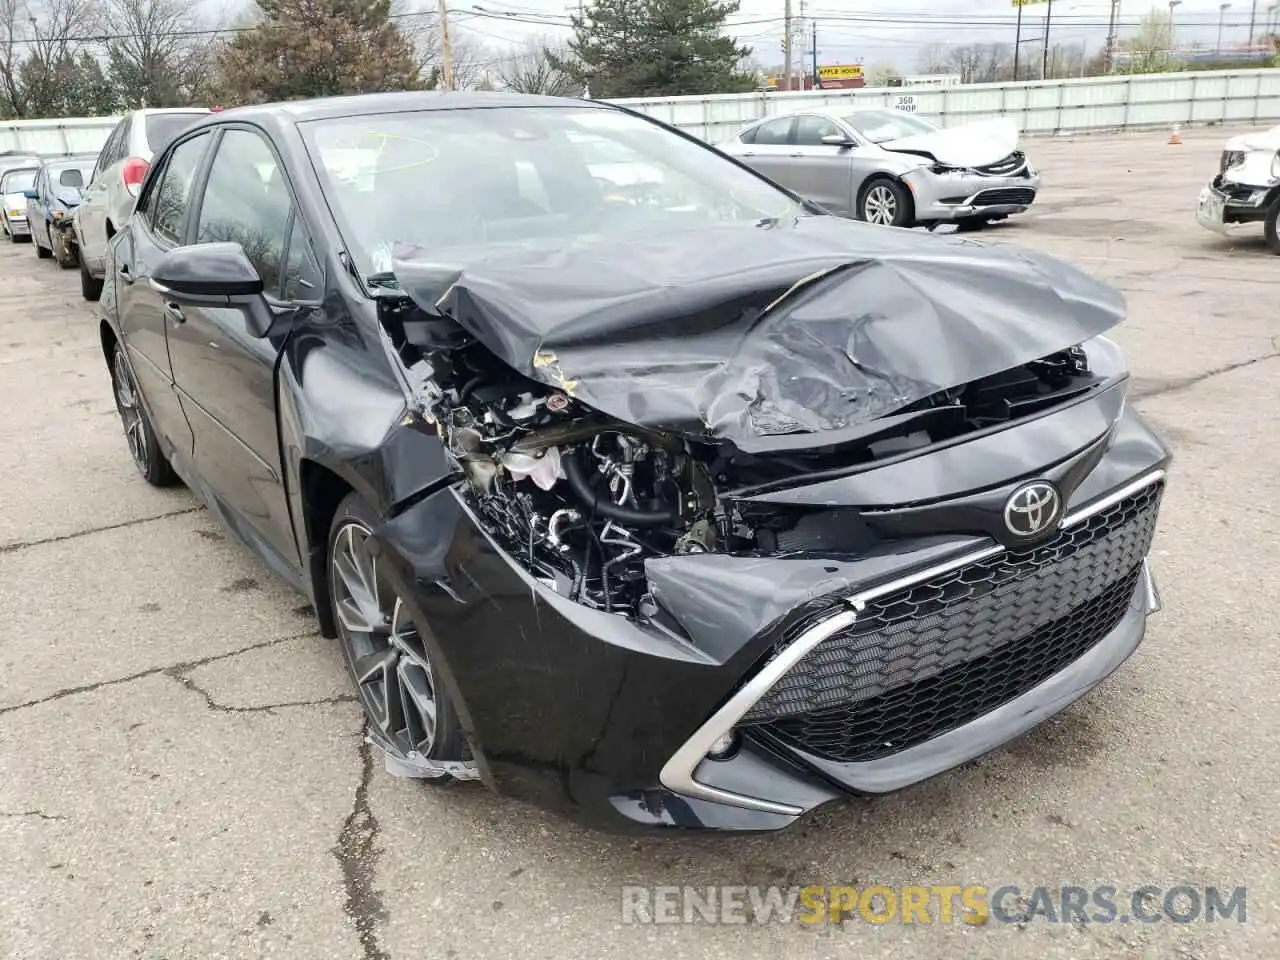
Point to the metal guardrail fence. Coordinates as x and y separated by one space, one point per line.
47 138
1116 102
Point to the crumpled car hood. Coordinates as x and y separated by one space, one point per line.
972 145
777 336
1261 140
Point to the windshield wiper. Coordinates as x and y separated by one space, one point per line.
385 280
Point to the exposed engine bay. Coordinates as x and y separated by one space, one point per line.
581 499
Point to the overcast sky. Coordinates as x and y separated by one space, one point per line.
891 31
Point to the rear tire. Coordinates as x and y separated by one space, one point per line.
1270 228
90 286
138 433
407 712
886 202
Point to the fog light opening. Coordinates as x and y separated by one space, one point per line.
725 746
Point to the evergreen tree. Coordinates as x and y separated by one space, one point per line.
317 48
634 48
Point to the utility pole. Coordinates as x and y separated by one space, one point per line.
817 84
1253 16
1044 63
446 48
1017 43
1111 35
786 46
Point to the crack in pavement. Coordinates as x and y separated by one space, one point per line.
180 675
23 544
1185 383
34 813
151 672
357 854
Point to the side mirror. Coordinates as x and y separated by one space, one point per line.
214 275
838 140
31 194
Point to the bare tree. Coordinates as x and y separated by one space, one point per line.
881 73
1150 49
531 70
39 45
158 55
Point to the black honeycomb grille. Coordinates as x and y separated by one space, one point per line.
939 654
1004 195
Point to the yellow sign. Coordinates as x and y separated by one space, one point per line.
846 71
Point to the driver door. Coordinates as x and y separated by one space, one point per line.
226 376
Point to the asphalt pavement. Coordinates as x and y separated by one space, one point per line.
182 773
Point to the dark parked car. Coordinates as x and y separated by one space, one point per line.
695 507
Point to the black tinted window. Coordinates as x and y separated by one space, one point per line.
773 132
168 201
810 129
163 127
247 202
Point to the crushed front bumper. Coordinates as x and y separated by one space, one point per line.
828 675
1224 204
954 196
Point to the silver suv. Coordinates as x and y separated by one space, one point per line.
122 165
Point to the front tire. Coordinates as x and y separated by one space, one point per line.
971 224
886 202
138 433
407 711
41 252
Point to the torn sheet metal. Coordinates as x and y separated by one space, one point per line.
701 332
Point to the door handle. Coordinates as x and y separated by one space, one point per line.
125 275
173 311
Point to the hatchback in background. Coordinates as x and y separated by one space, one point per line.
892 168
54 196
14 185
113 188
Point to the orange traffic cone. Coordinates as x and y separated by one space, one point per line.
1175 138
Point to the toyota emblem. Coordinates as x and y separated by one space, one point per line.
1032 509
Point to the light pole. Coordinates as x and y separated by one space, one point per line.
1044 63
1222 9
1173 4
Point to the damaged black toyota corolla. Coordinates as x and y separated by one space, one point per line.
629 483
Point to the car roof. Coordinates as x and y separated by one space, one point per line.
371 104
72 161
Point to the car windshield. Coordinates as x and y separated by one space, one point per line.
882 126
16 181
455 178
163 127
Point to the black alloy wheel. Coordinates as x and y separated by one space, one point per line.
407 712
143 445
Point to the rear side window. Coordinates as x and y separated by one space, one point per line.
168 200
163 127
774 132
